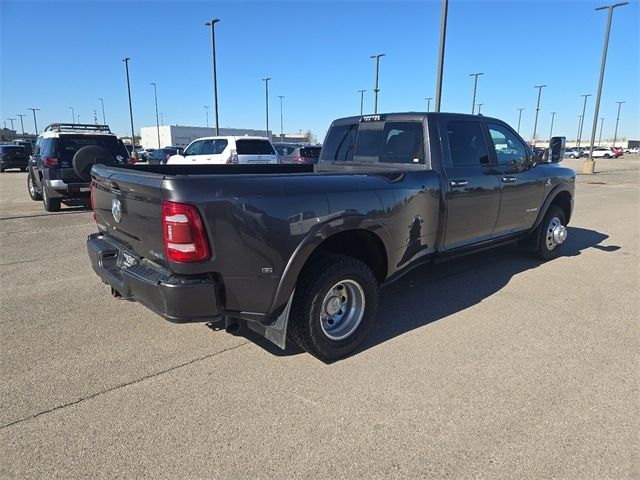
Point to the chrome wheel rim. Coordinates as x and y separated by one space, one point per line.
556 233
32 190
342 310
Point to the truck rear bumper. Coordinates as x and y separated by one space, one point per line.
177 299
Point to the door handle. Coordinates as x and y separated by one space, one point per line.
459 183
509 179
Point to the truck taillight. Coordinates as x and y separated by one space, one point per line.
233 157
185 239
50 161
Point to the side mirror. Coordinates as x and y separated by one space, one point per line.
180 152
556 149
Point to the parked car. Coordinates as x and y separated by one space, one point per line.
28 146
572 153
603 152
299 251
13 156
230 149
297 153
160 156
60 166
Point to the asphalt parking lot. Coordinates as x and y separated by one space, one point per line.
491 366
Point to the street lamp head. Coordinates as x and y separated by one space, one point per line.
476 74
612 6
378 55
539 86
126 59
212 22
266 79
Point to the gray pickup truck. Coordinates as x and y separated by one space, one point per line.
299 251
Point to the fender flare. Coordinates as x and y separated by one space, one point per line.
311 242
557 190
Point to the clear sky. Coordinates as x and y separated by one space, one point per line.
57 55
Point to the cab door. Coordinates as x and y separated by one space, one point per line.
522 185
472 183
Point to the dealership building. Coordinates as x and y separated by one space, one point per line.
181 136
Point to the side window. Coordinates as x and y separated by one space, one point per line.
47 147
219 146
467 145
509 149
38 147
340 143
402 143
195 148
207 147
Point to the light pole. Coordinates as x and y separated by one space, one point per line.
601 123
375 88
35 122
589 165
155 95
206 114
21 121
480 107
361 100
428 99
475 87
615 133
12 120
584 109
535 123
443 36
281 97
212 24
519 118
133 137
266 102
161 118
73 115
578 134
553 116
104 120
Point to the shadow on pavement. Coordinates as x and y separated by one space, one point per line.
435 291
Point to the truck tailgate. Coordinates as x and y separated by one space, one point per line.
128 206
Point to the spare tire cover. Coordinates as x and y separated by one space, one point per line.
85 157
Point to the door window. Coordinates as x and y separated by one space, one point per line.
195 148
509 149
467 145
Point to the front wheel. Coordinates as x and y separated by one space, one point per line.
32 189
551 234
572 156
334 306
607 156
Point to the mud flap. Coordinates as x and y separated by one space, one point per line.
276 333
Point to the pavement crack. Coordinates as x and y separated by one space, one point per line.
122 385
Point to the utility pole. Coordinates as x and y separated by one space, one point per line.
73 115
584 108
553 116
281 97
35 122
206 114
600 138
21 121
475 87
155 95
95 117
12 120
104 120
133 135
590 164
535 123
519 118
428 99
480 107
615 133
443 36
375 88
161 118
266 102
361 100
212 24
578 134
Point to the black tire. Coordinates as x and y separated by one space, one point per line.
50 204
89 155
305 324
607 155
543 234
572 156
31 188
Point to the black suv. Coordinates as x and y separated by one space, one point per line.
60 167
13 156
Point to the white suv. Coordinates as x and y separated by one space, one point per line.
217 150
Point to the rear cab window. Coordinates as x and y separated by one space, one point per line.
392 142
254 147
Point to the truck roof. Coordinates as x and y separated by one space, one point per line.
408 116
